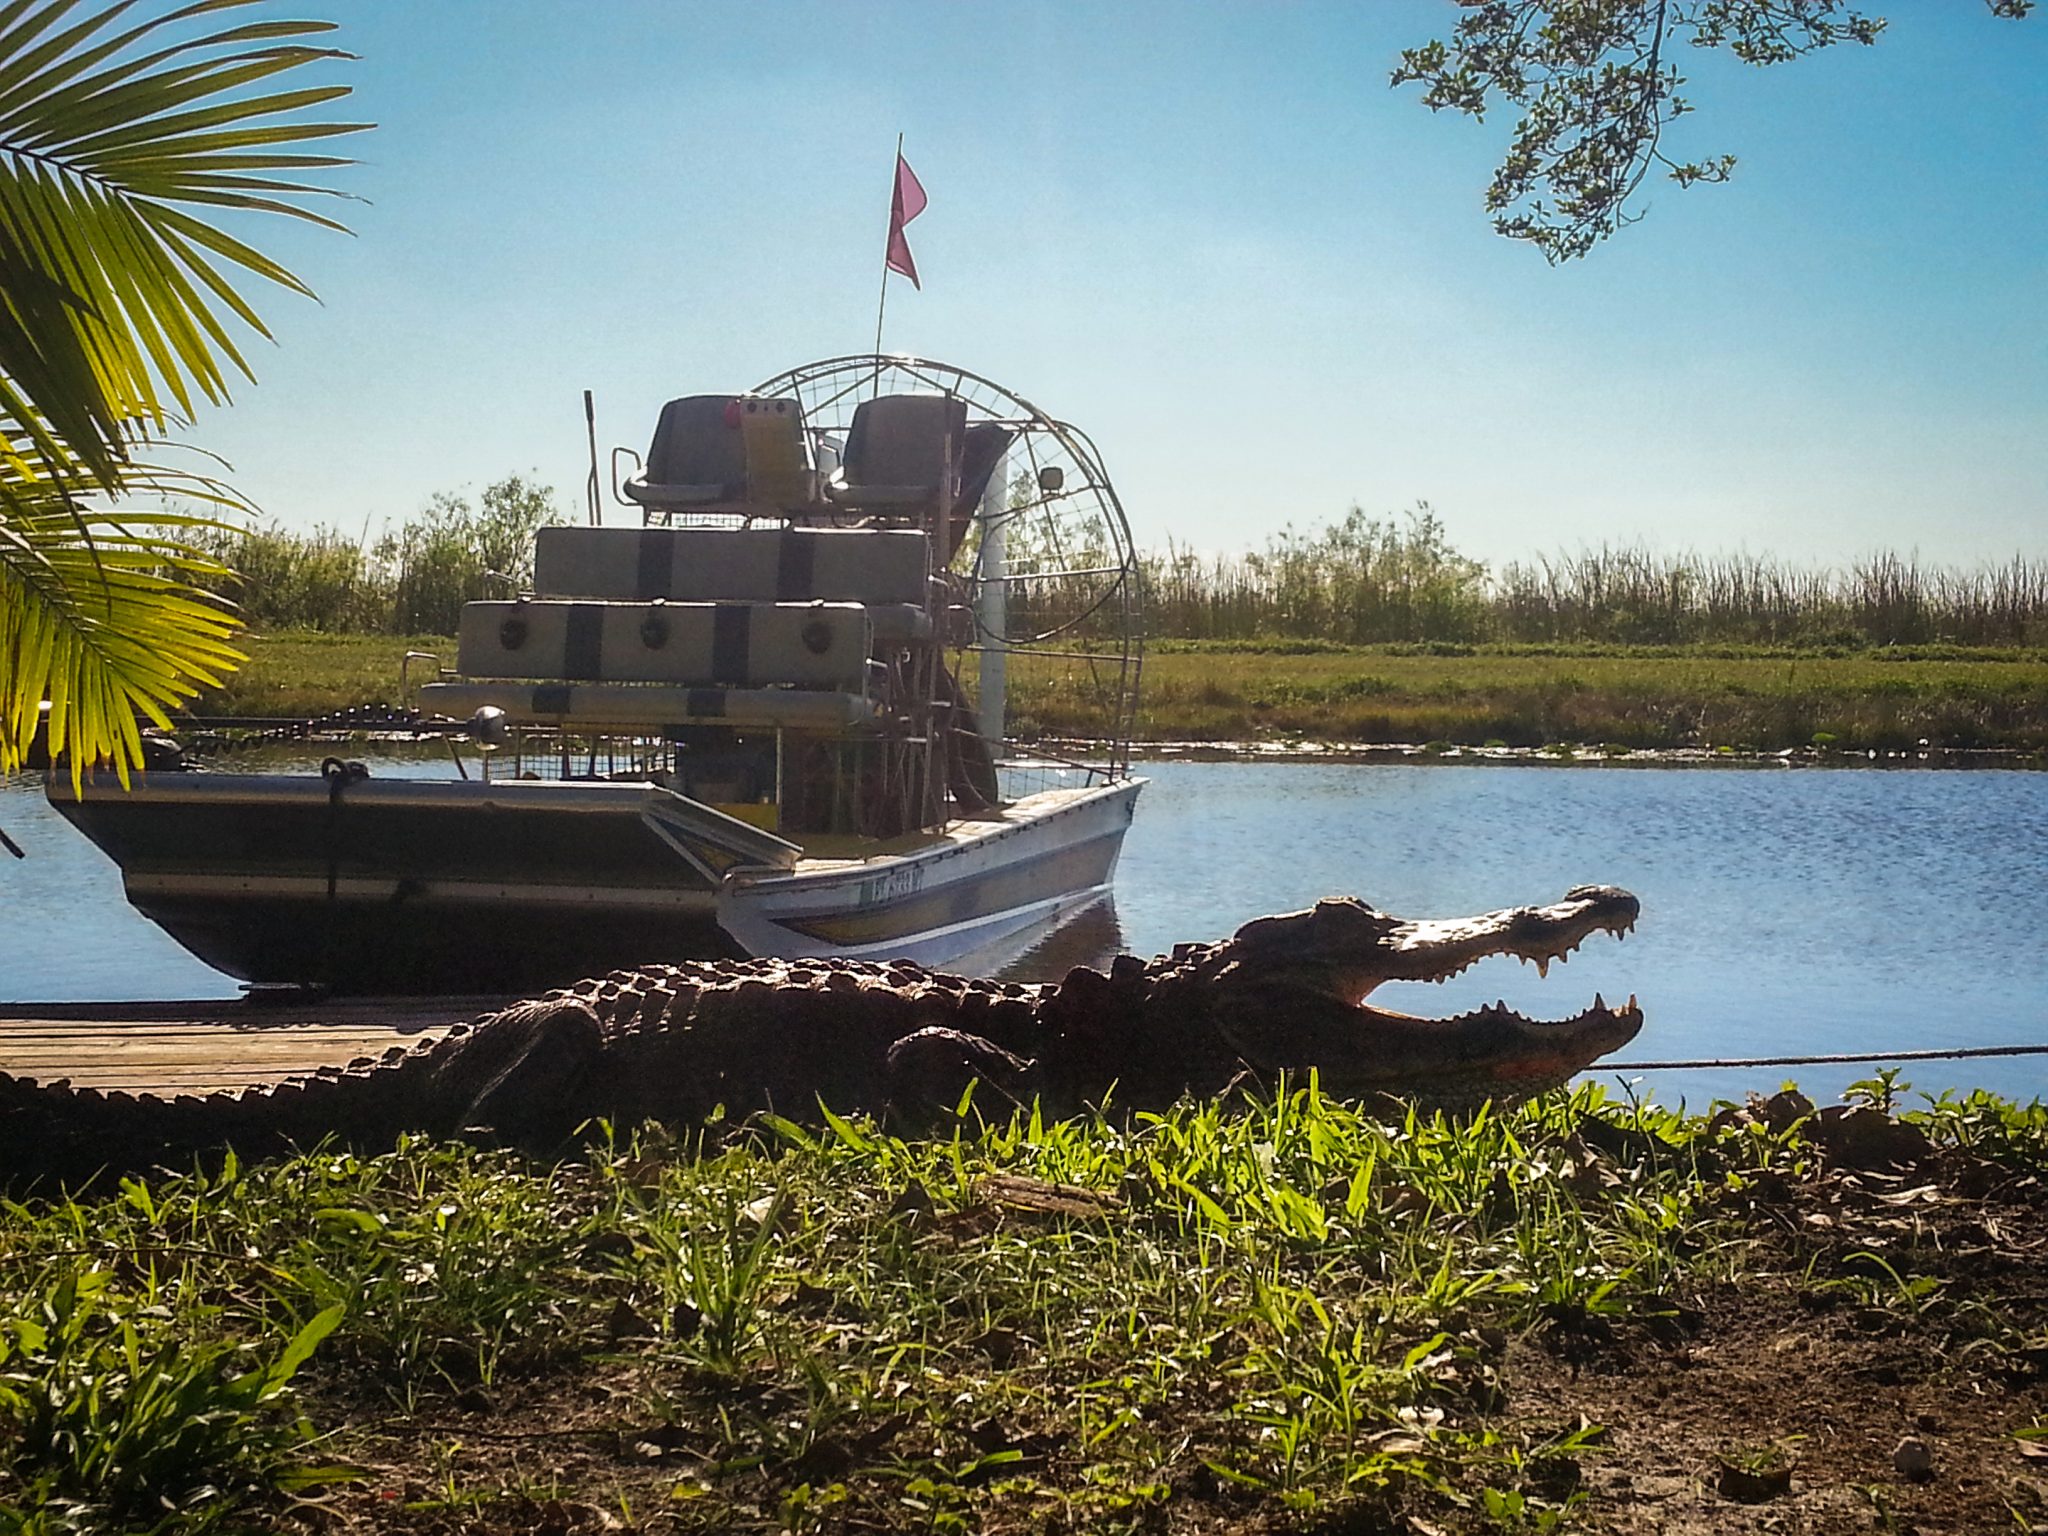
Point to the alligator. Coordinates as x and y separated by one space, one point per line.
677 1043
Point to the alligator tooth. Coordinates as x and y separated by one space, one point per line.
1631 1002
1542 965
1599 1003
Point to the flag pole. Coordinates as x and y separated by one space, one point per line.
882 306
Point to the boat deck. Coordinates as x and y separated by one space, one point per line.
170 1048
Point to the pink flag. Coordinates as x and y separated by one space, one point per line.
908 204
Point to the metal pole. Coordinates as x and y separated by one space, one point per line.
590 422
882 305
991 607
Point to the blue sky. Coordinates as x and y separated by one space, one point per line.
1209 234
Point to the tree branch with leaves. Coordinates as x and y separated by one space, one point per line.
122 143
1596 85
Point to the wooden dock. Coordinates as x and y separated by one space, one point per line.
170 1048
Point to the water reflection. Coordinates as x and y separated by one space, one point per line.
1092 937
1787 912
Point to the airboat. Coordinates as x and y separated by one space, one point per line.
859 680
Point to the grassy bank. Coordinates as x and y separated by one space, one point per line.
1590 696
1285 1315
300 673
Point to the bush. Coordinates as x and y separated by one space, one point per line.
1362 581
413 580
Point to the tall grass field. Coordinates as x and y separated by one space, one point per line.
1360 581
1366 630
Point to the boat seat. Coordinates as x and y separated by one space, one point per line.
902 454
649 707
697 459
727 453
809 645
746 565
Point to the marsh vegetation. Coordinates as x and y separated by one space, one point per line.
1276 1313
1588 697
1359 581
1368 630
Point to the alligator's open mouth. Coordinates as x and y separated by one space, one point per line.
1342 951
1437 950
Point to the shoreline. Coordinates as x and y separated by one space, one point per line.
2009 758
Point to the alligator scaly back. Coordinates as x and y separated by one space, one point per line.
674 1043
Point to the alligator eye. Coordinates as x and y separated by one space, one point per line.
817 637
654 632
512 634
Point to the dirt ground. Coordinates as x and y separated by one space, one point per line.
1827 1393
1841 1382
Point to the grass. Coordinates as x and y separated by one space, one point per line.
297 674
1529 696
1285 1313
1584 696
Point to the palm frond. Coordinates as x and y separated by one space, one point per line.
100 615
120 306
116 301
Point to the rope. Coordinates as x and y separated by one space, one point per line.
339 775
1960 1053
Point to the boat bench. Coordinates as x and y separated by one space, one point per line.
806 645
753 565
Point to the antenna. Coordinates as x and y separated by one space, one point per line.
590 486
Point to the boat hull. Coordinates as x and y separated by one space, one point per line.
1034 863
424 887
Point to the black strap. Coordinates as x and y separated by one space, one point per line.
796 560
732 626
583 642
657 571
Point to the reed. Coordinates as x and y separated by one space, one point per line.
1366 580
1361 580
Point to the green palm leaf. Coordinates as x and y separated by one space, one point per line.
120 305
100 615
116 298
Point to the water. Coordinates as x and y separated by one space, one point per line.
1784 912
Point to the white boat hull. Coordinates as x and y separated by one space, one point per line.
1029 866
